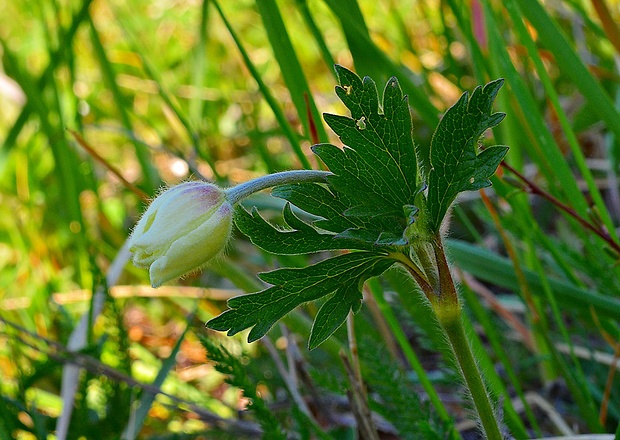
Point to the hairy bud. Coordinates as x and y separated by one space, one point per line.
183 228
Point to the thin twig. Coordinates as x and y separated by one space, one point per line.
90 150
380 322
290 384
321 406
290 352
608 387
532 188
353 352
359 404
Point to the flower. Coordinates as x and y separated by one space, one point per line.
189 224
183 228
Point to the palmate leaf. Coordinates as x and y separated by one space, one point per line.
301 239
377 167
343 274
372 204
341 215
321 202
456 165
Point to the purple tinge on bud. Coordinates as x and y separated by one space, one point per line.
183 228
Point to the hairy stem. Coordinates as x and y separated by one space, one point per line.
470 372
448 313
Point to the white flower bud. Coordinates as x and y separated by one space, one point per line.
183 228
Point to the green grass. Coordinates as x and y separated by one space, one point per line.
230 90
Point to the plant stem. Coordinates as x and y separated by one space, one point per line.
357 394
449 315
353 352
416 273
470 372
245 189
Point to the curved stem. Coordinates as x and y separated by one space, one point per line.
416 273
246 189
532 188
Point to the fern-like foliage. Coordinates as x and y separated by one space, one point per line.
234 371
394 396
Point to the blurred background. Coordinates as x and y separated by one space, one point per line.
103 102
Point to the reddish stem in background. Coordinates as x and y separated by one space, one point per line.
532 188
478 25
314 134
90 150
609 24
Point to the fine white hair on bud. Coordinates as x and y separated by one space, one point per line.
183 229
188 225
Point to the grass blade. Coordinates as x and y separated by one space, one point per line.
292 137
570 64
302 5
290 66
477 261
138 415
524 37
373 61
127 26
151 178
548 155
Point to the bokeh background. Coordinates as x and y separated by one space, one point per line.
103 102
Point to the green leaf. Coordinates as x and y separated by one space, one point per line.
333 313
302 239
361 223
377 166
376 237
455 164
293 287
320 201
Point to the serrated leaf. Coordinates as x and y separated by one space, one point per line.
333 313
295 222
338 214
293 287
318 200
456 165
377 165
303 239
351 177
